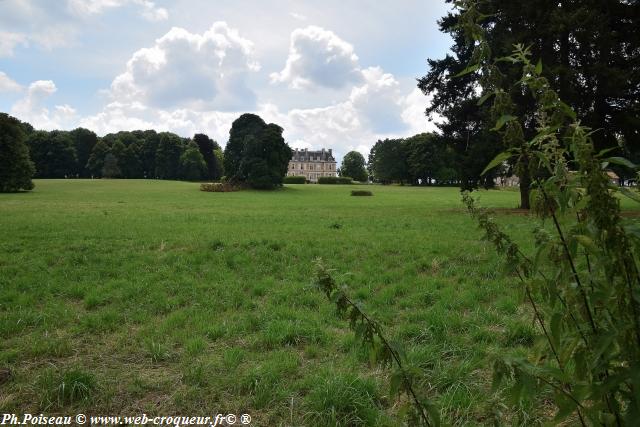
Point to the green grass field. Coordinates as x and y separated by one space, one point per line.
124 297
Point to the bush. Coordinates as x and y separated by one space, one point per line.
335 180
361 193
218 187
295 180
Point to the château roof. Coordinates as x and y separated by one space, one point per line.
306 155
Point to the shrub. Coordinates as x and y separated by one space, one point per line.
295 180
335 180
361 193
581 278
218 187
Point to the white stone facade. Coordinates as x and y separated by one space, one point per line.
312 164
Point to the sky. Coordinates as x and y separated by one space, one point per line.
337 74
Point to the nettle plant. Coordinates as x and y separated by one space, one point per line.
418 410
582 282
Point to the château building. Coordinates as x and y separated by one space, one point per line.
312 164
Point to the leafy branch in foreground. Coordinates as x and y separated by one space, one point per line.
583 281
421 412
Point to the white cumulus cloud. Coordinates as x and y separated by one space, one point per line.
93 7
31 108
9 41
7 84
187 70
188 82
318 57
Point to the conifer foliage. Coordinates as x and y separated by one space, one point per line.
256 153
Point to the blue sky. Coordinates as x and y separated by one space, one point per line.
334 74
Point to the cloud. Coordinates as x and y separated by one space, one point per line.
8 85
298 16
32 107
95 7
57 35
153 13
52 24
187 70
118 116
414 106
187 82
375 107
9 41
378 101
38 91
318 57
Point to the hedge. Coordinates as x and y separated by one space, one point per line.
335 180
294 180
218 187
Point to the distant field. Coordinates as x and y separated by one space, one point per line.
154 297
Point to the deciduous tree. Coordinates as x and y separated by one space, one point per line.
193 166
53 153
388 161
168 156
83 140
353 165
110 169
16 168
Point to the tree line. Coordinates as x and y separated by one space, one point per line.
80 153
256 154
422 159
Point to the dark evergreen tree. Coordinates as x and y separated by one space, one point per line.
242 127
589 51
207 147
266 158
353 165
16 168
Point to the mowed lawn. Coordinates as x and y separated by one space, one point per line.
154 297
